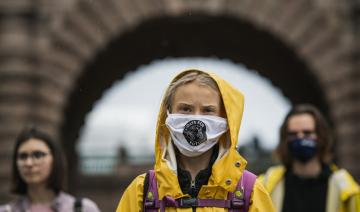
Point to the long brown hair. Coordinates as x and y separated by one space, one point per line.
56 180
324 135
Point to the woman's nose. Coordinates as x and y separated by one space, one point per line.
300 135
198 111
28 161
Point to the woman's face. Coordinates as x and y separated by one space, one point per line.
34 161
301 126
196 99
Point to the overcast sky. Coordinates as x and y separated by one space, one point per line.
126 114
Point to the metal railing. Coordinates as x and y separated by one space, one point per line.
109 165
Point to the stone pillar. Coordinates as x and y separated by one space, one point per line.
24 97
350 152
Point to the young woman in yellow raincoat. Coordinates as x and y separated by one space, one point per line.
307 180
204 165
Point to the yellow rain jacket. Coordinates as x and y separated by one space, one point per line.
343 192
225 169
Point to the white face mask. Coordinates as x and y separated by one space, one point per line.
195 134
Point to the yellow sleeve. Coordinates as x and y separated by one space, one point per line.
353 203
349 191
132 198
260 199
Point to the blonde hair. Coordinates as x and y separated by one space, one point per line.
191 76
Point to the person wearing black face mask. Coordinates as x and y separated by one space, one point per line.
307 180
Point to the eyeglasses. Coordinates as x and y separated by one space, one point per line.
36 157
304 133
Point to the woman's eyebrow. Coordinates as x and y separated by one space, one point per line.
184 104
210 106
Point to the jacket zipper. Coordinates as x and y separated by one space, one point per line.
192 184
193 188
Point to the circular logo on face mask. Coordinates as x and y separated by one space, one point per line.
195 132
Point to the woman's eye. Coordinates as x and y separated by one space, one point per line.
209 110
185 109
38 154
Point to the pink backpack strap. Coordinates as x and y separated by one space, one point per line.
237 201
151 197
242 194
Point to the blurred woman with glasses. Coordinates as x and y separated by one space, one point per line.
38 173
307 180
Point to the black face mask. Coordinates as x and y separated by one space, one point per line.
302 149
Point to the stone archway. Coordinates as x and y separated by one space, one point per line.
164 37
317 40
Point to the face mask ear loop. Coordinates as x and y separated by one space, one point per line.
167 115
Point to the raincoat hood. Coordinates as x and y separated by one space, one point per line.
229 165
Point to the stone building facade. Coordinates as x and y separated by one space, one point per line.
57 57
